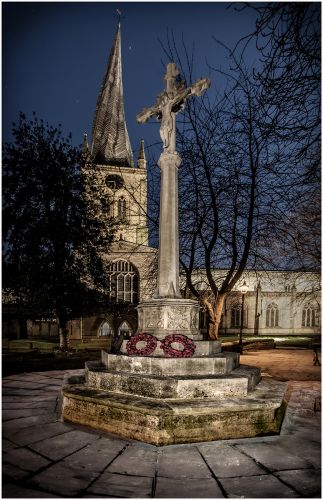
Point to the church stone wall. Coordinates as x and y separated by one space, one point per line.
133 193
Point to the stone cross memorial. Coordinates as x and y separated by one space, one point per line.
169 103
168 311
168 385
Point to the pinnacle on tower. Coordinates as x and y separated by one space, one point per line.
110 140
85 146
142 157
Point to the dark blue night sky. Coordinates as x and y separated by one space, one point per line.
54 56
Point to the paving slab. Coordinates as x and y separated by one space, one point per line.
37 377
18 405
228 461
25 459
7 445
37 398
13 472
17 384
136 461
294 424
124 486
93 464
304 447
306 482
266 486
10 490
63 480
275 457
60 374
9 414
184 462
26 422
188 488
38 433
52 387
96 495
97 455
23 392
60 446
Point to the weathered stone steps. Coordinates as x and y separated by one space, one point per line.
163 422
218 364
237 384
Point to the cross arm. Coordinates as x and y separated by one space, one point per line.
147 113
201 85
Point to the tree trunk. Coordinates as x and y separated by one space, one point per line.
215 314
63 337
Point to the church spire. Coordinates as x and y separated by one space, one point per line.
142 157
85 146
110 140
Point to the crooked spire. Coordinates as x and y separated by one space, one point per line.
110 140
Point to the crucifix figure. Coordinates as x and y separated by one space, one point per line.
170 102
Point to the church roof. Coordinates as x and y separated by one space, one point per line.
110 140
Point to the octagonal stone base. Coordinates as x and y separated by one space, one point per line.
167 400
161 317
220 364
238 383
160 422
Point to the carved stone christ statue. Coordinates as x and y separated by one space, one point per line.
170 102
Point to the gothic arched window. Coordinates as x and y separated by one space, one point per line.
114 181
122 209
236 309
125 329
123 282
105 329
310 315
272 315
106 206
236 315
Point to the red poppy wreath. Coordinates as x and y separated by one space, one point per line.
187 352
151 344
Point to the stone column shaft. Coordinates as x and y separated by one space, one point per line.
168 264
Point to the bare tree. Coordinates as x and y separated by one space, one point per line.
288 37
247 161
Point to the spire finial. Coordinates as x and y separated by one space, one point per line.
119 14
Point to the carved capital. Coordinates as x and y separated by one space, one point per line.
169 160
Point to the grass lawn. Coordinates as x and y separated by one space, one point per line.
280 341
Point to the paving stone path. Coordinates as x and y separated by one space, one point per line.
44 457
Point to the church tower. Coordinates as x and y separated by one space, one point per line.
119 186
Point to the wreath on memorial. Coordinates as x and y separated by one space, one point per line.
151 344
187 352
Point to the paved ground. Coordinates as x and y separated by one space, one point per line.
284 364
43 457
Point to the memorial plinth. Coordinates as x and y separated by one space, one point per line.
165 401
167 385
161 317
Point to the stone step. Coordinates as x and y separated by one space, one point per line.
237 384
203 348
219 364
161 422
